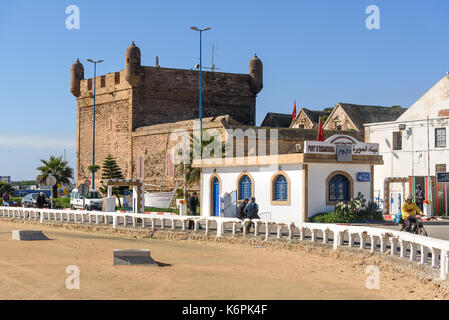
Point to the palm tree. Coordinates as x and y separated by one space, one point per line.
193 173
55 167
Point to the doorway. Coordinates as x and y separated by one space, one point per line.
215 197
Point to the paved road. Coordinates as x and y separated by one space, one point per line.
435 229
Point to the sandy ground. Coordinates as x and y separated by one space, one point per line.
198 270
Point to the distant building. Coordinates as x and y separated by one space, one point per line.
277 120
415 148
353 117
308 119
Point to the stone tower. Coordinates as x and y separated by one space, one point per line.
133 69
138 107
256 74
76 75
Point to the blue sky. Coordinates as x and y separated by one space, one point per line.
317 52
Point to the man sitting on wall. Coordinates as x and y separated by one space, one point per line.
240 211
408 210
251 210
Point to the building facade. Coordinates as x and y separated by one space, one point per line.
415 149
291 187
138 107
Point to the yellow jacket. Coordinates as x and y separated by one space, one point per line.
408 210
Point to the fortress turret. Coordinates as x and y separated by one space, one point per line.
133 71
76 75
256 74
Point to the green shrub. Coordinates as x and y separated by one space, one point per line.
15 199
61 202
356 210
18 200
154 209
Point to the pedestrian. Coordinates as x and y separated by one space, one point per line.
241 211
420 196
251 210
193 204
40 201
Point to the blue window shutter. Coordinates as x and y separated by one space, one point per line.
280 189
245 187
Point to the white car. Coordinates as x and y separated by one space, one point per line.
93 201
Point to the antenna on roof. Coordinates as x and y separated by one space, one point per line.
213 68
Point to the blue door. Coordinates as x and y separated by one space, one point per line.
215 197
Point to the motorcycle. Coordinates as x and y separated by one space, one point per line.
417 226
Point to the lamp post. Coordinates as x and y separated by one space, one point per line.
93 131
201 66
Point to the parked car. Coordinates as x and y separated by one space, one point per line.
93 201
29 201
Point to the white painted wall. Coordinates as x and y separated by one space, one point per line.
262 183
430 103
412 160
318 174
415 158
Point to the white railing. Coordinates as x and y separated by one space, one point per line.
411 246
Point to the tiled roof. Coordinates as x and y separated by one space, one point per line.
277 120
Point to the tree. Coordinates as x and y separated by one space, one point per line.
5 188
111 170
193 174
93 168
55 167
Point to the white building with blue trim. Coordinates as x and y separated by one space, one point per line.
290 187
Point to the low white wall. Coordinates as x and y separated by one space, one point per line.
262 176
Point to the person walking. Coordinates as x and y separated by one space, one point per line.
193 203
420 196
241 211
251 210
40 201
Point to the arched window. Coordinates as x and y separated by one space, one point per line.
280 188
339 188
245 187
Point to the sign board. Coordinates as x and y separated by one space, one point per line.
66 191
329 146
442 176
50 181
364 176
83 189
344 152
87 182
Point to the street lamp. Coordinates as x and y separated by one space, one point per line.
93 132
201 106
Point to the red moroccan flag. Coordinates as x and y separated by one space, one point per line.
294 111
320 133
